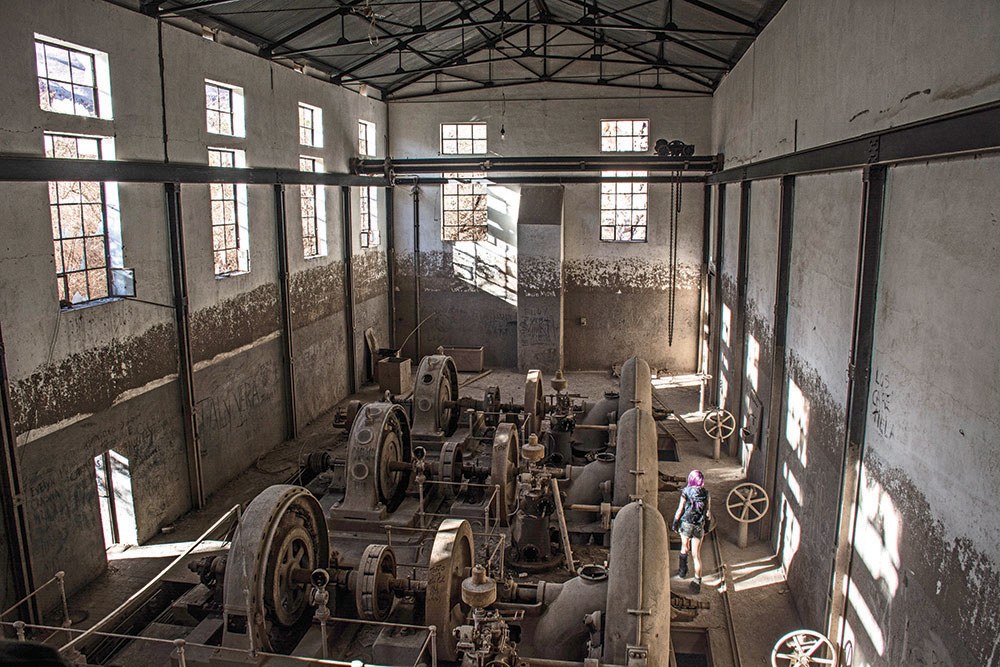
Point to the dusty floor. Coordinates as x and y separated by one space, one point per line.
761 609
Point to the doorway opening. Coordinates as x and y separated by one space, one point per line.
114 492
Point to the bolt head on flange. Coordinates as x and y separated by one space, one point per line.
479 590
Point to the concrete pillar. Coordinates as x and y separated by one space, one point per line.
539 280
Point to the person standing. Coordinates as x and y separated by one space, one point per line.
694 511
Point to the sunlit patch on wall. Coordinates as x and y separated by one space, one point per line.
791 534
797 422
753 361
727 318
877 534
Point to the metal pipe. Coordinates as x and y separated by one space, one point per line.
571 163
27 169
141 593
348 252
563 530
552 180
182 317
284 291
742 274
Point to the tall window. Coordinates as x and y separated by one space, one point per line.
624 135
230 226
463 138
224 109
72 79
624 205
464 208
366 138
369 217
310 125
86 227
312 207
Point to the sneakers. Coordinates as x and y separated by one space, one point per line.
696 584
682 570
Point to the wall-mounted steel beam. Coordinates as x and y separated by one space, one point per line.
182 317
771 426
716 308
974 130
859 379
549 180
284 292
12 501
348 248
738 335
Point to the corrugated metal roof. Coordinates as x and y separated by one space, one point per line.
679 45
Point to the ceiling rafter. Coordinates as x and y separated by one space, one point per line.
526 82
718 11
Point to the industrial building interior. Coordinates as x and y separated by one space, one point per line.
387 332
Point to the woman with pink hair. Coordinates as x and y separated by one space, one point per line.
693 512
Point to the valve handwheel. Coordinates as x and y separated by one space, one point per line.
800 648
719 424
747 502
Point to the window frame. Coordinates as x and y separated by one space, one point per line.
639 143
114 274
458 130
240 210
318 194
457 188
316 119
367 139
368 215
236 112
100 74
617 190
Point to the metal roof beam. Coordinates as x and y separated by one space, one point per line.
718 11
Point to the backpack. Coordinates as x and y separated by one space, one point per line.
697 505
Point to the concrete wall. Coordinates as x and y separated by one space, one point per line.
621 289
104 376
923 584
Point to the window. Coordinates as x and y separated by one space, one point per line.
623 207
366 138
224 109
463 138
464 206
625 135
72 79
312 207
310 125
369 217
86 227
230 229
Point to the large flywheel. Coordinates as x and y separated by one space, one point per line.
503 470
378 454
281 532
451 559
435 397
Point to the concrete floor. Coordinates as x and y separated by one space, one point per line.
761 609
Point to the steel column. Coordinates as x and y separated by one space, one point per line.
12 500
348 249
284 291
772 428
720 238
182 316
390 258
703 303
859 377
416 271
739 350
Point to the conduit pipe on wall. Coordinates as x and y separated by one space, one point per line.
182 317
415 191
348 249
284 292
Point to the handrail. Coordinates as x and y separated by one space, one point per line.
73 643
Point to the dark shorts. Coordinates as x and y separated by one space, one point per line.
692 530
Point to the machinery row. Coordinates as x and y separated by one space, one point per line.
455 529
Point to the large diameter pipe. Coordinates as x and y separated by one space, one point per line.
636 462
561 632
636 388
638 608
